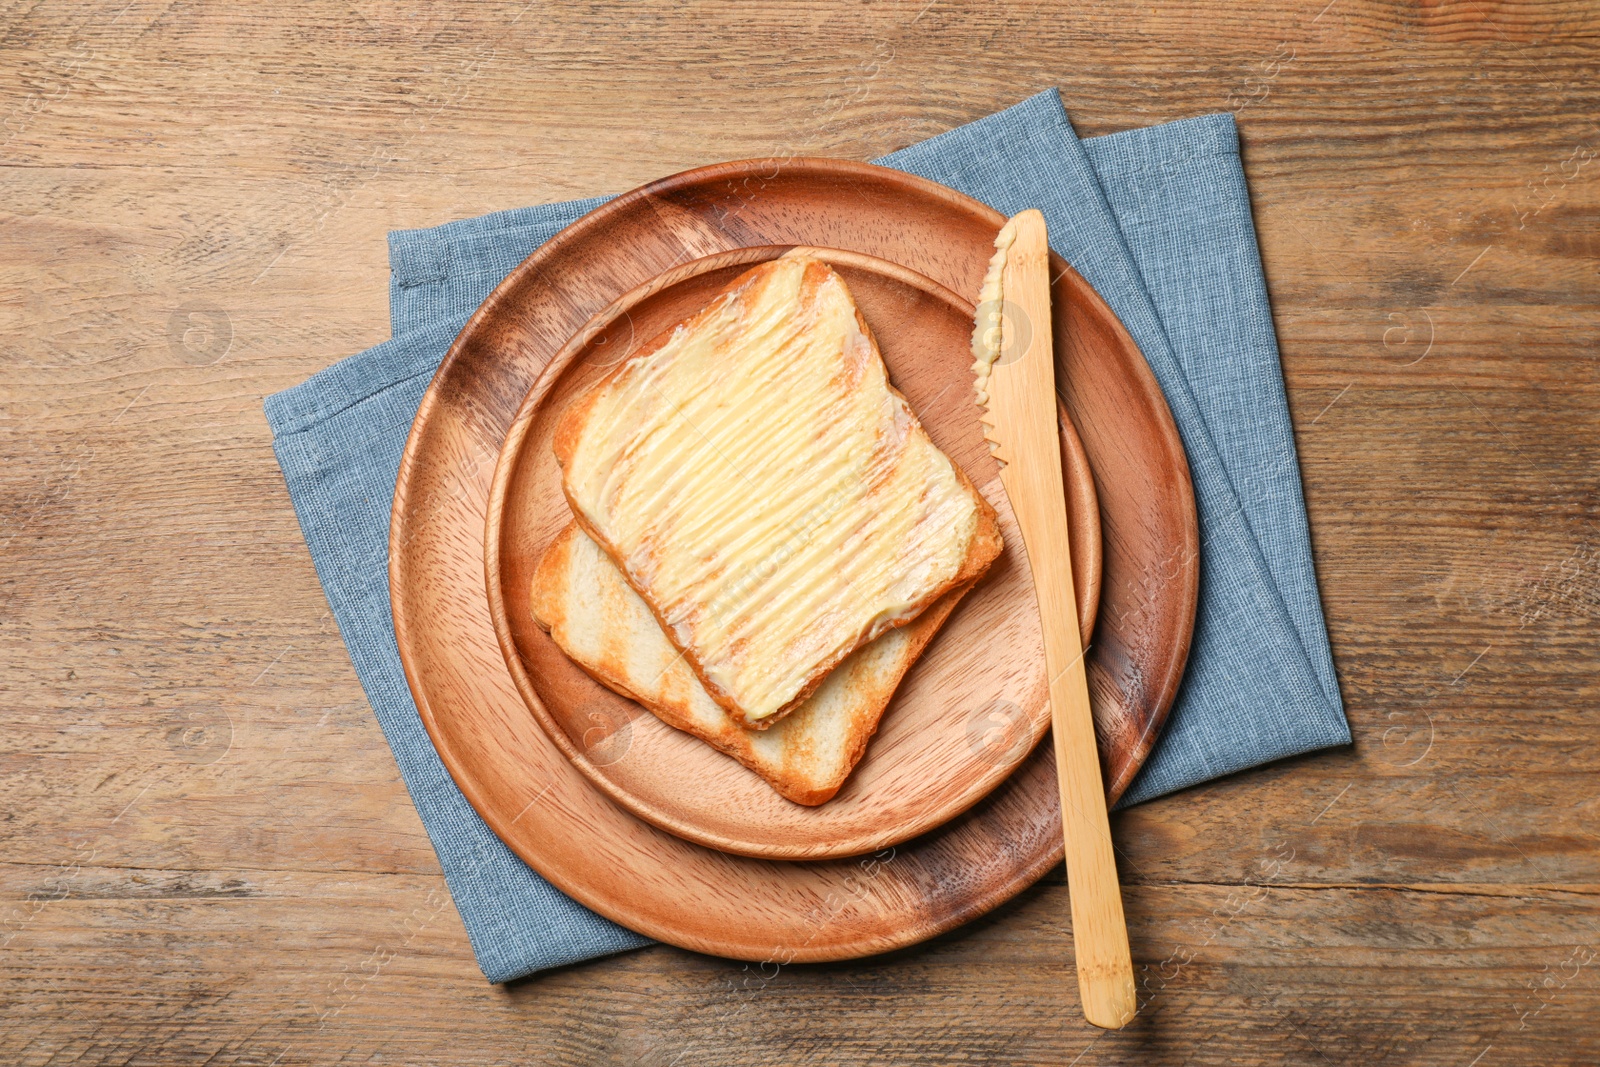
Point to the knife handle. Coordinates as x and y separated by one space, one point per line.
1099 930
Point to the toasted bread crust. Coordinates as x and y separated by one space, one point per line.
983 547
790 781
799 775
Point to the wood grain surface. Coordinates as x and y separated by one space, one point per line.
207 854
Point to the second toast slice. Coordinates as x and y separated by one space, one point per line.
580 597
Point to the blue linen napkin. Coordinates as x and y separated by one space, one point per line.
1158 220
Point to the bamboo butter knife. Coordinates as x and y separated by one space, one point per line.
1015 369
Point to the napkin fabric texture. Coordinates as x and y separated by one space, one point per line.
1158 220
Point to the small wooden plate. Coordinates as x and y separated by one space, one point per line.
521 782
967 713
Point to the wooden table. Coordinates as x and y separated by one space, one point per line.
208 856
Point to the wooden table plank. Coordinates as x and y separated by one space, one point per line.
205 851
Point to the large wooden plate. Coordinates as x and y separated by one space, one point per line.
966 714
541 805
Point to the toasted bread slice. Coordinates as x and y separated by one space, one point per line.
772 499
598 620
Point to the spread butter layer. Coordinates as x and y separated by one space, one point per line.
762 488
